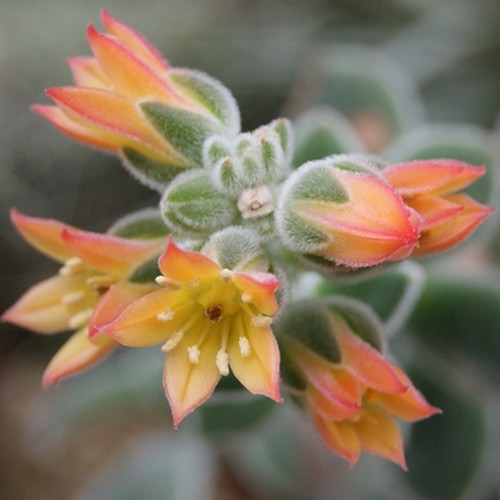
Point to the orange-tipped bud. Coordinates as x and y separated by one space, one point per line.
340 209
430 188
130 101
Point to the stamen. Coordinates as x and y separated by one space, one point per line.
194 354
173 341
73 297
226 275
167 283
165 316
261 321
80 318
245 347
101 281
246 297
72 266
222 362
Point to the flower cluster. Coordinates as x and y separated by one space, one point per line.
212 285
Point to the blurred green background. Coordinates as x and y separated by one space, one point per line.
104 434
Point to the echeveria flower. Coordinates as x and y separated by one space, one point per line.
340 209
210 321
132 102
430 187
89 289
353 401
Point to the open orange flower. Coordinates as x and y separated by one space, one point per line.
130 101
353 403
430 188
90 289
210 321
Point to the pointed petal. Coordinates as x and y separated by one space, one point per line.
134 41
335 384
181 266
42 308
76 355
43 234
262 288
130 76
104 110
87 72
329 408
434 210
259 370
138 325
438 176
188 385
110 254
365 362
114 302
340 437
411 405
454 231
87 135
380 435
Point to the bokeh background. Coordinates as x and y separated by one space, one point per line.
106 434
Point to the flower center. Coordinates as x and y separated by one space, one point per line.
88 288
214 313
214 307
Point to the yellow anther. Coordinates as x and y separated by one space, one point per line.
173 342
73 297
226 275
80 319
74 265
165 316
222 362
194 354
100 281
245 347
165 282
261 321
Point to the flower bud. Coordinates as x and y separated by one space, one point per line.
192 204
237 248
331 362
252 159
430 188
130 101
340 209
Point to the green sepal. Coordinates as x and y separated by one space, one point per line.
309 323
184 130
283 128
152 173
144 224
211 93
192 204
237 248
215 149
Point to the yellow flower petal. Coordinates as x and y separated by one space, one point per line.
76 355
188 384
43 307
258 369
